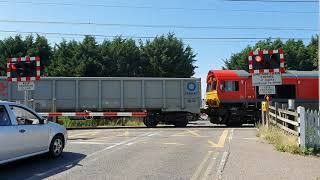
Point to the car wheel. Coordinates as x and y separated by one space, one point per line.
56 146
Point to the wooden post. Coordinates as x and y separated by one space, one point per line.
276 111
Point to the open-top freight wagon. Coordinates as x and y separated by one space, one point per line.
169 100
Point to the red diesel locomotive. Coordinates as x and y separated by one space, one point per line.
232 99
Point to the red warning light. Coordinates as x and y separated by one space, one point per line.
258 58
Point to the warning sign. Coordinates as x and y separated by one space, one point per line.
25 86
266 79
267 90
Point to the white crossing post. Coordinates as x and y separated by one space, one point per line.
302 126
26 98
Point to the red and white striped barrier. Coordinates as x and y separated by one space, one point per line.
12 61
100 114
270 52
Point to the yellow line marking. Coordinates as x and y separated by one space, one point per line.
207 173
201 166
193 133
222 140
81 134
126 133
188 132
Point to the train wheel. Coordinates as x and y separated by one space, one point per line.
151 120
234 120
181 120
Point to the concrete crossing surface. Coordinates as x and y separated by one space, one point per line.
198 152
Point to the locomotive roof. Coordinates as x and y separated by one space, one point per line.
229 73
292 73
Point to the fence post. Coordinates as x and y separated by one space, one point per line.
268 115
302 126
276 112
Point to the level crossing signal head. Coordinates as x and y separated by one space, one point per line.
23 69
262 61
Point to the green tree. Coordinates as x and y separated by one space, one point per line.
122 57
297 55
89 58
167 56
64 62
313 51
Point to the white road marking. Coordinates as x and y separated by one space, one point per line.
207 173
89 142
201 166
225 156
130 143
247 138
231 135
222 164
123 142
91 133
40 175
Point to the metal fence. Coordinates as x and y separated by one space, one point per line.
305 124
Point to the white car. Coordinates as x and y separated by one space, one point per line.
24 133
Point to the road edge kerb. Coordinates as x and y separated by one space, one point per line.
224 157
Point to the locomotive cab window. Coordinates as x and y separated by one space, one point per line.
214 85
208 87
231 86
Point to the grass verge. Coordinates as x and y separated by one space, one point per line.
283 141
68 123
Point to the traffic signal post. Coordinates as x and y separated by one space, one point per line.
266 68
24 71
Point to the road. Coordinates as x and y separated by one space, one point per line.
198 152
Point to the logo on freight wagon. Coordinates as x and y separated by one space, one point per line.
191 88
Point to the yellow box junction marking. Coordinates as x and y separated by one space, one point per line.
221 142
126 133
188 132
83 134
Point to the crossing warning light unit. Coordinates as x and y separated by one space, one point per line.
266 61
23 69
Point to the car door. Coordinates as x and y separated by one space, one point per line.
10 139
33 133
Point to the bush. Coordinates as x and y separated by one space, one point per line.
69 123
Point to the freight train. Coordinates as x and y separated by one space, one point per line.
232 99
169 100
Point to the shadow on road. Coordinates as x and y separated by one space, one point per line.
39 167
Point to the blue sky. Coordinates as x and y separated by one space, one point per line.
210 53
